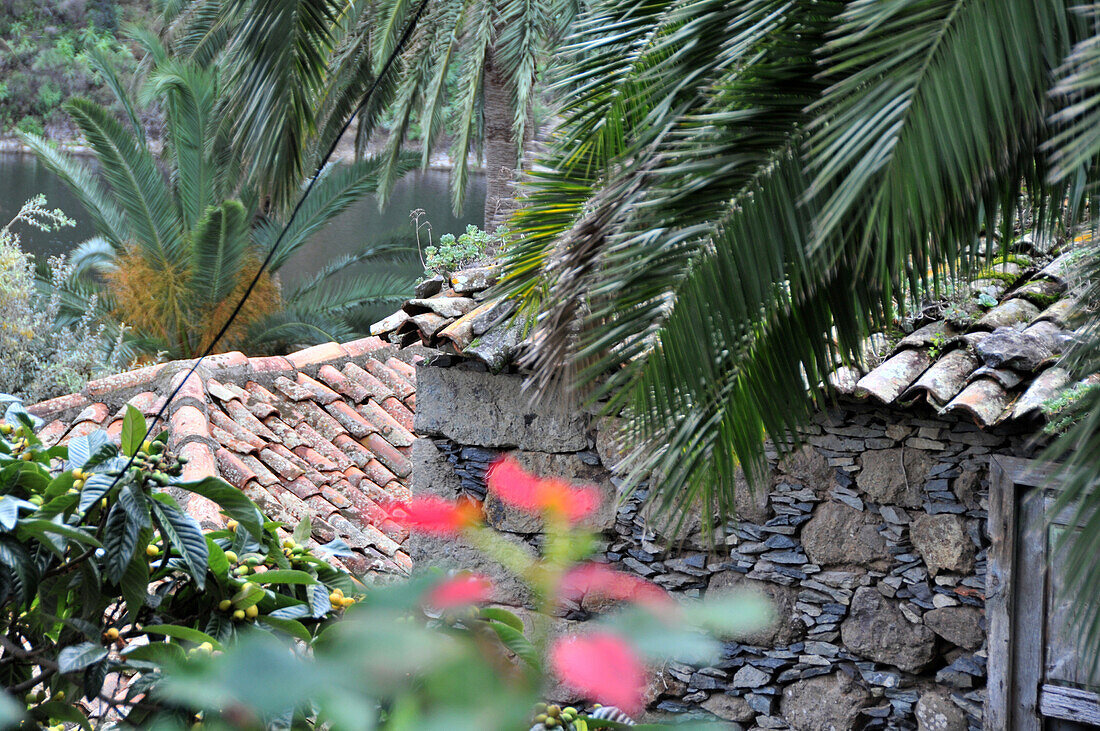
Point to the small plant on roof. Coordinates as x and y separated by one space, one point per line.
453 254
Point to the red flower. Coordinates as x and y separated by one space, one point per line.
599 581
460 591
519 488
434 515
603 667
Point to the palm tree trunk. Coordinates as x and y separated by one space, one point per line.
500 146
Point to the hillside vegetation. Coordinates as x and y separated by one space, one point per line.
43 57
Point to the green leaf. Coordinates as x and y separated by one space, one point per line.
120 533
135 582
303 531
161 653
177 632
37 526
249 597
77 657
133 431
185 535
9 510
284 576
231 500
219 246
218 564
501 615
319 601
292 627
11 711
95 487
83 447
56 710
515 641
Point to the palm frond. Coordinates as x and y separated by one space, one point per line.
340 186
219 250
103 65
132 173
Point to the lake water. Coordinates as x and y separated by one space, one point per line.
22 176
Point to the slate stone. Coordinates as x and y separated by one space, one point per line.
876 628
729 708
750 677
808 468
1007 347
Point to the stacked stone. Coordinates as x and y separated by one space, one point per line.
870 542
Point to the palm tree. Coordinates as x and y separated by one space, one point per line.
182 235
468 66
741 192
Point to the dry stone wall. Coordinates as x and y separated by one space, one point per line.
870 541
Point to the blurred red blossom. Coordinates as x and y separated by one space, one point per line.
434 515
602 666
599 581
521 489
460 591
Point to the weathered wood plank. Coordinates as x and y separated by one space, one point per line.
1070 704
1031 577
998 590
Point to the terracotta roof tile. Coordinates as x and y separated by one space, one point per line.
393 380
317 355
57 405
300 444
386 425
52 432
373 387
355 424
318 392
114 429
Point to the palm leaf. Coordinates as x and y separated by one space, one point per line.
219 249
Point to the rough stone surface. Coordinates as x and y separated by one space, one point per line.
729 708
432 474
457 555
809 468
786 627
825 703
489 410
610 444
568 467
936 712
943 542
960 626
894 476
877 629
839 534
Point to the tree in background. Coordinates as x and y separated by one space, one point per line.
741 192
182 235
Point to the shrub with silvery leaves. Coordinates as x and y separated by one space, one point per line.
39 358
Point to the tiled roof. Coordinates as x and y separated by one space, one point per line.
324 433
988 352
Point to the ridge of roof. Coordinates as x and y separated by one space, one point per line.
323 433
993 360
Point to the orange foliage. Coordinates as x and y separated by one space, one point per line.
156 300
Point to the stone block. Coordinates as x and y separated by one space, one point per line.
894 476
875 628
958 625
487 410
838 534
432 474
936 712
786 626
825 703
943 543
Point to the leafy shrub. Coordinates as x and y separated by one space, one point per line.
105 580
31 125
41 358
453 253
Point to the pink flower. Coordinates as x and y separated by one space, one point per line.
460 591
434 515
598 581
519 488
603 667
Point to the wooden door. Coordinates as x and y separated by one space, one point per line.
1036 681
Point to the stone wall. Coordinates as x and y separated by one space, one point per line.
871 543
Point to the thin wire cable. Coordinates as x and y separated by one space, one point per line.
282 234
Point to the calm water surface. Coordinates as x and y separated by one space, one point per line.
21 176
